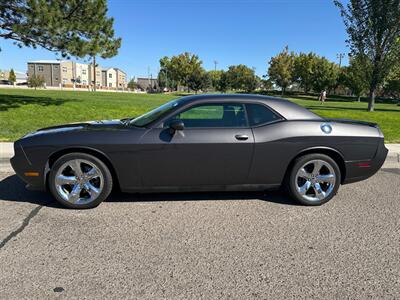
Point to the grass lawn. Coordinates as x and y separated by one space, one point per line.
22 110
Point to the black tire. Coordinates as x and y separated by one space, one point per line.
105 172
291 180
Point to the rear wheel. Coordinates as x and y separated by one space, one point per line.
80 180
314 179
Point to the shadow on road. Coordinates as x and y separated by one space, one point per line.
13 189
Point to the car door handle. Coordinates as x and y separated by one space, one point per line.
241 137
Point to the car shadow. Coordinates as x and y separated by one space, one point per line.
13 189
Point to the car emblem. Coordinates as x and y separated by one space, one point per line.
326 128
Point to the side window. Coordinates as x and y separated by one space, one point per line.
213 115
259 114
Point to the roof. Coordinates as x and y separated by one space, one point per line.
146 78
286 108
44 61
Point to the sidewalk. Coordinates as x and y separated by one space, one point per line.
7 151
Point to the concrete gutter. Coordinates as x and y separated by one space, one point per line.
7 151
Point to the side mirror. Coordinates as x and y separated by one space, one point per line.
176 125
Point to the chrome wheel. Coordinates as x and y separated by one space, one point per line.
79 181
315 180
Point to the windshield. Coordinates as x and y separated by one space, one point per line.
154 114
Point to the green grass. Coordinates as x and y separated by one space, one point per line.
22 111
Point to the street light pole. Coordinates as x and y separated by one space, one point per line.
340 56
215 65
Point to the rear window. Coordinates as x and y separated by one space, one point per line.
259 114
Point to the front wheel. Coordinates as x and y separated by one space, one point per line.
80 180
314 179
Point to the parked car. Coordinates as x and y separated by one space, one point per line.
202 143
6 82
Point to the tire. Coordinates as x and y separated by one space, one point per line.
314 179
80 181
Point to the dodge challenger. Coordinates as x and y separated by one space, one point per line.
202 143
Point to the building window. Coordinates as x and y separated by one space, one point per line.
64 80
83 72
64 69
98 73
109 75
56 79
84 82
110 84
40 68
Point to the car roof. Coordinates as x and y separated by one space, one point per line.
286 108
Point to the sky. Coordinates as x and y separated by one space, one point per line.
227 31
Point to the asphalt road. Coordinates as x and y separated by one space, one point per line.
203 246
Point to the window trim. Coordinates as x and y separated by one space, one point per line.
183 109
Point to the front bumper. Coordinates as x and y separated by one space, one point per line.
361 170
24 168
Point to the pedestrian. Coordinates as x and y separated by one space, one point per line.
322 96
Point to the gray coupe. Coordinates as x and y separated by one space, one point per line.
202 143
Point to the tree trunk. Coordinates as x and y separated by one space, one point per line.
371 103
359 98
94 73
283 91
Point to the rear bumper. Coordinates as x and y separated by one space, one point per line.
361 170
21 165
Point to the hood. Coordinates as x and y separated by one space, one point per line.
88 125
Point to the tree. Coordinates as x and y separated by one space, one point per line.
164 77
11 77
215 78
355 76
36 81
179 68
373 27
104 45
241 77
281 69
223 83
199 80
392 82
303 70
71 27
324 74
65 26
266 84
132 84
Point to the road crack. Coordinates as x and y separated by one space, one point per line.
24 224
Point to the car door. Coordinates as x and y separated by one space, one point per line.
215 148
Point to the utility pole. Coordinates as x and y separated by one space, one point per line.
215 65
340 56
148 76
94 73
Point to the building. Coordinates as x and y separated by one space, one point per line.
111 78
67 70
147 84
121 79
69 74
98 75
48 69
82 76
21 77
